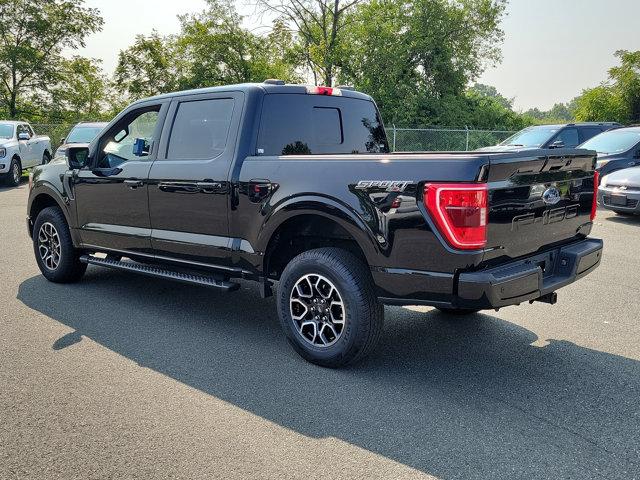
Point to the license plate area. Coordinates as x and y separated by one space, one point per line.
620 200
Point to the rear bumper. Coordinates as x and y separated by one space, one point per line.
512 283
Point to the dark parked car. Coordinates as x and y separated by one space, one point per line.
296 185
81 134
553 136
617 149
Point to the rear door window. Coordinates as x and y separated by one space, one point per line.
568 136
589 132
200 129
299 124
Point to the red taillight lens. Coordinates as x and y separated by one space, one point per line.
336 92
594 205
460 212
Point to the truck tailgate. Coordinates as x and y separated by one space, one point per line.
538 198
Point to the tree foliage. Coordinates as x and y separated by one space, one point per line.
416 57
619 98
33 34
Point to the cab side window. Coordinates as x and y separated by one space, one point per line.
22 128
130 139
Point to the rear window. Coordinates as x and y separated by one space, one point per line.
296 124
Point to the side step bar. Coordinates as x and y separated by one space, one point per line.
157 272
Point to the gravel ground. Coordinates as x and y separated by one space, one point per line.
122 377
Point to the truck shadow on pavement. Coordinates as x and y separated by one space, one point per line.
469 399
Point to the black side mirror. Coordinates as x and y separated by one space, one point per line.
62 140
78 157
557 144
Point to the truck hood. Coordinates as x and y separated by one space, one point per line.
627 177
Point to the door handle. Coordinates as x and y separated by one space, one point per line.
133 183
207 186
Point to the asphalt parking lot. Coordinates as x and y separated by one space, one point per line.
122 377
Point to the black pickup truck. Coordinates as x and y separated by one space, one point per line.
296 185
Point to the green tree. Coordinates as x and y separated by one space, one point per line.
33 34
319 27
214 49
619 98
416 57
147 68
82 90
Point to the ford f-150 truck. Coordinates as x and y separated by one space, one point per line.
20 148
295 185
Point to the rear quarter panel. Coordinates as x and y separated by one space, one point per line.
398 237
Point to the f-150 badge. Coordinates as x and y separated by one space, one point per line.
387 185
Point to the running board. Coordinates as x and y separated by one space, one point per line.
156 272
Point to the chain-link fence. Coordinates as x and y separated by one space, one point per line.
400 139
443 139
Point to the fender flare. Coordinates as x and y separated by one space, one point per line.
46 189
327 207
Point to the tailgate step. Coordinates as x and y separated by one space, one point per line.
157 272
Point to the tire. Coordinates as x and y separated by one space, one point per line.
50 235
15 173
46 158
457 312
352 300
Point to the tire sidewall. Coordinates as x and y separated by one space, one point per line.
345 345
11 180
68 254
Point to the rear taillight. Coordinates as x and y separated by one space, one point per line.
319 90
594 204
460 212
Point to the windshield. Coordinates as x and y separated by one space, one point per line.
531 136
6 130
613 141
83 134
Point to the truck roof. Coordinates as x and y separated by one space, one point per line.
268 88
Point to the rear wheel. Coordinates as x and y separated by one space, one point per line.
58 259
328 308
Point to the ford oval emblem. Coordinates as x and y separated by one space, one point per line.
551 196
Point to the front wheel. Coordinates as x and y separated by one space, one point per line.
328 308
58 259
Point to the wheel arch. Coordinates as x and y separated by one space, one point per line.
306 223
44 197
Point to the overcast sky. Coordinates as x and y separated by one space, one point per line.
552 50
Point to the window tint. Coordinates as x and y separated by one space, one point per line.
29 130
200 129
22 128
314 124
589 132
568 136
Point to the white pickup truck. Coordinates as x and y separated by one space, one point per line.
20 148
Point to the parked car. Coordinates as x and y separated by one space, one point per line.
568 135
617 149
296 185
20 148
81 134
620 191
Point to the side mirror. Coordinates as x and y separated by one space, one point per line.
62 141
23 136
557 144
78 157
141 147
